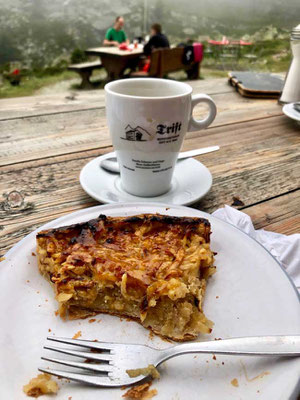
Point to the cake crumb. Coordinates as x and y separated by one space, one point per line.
165 339
77 335
56 313
151 335
214 357
33 254
236 201
2 259
217 297
42 384
70 398
235 382
141 392
150 370
223 363
49 330
92 320
259 376
99 320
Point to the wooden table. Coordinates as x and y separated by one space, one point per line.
114 60
46 140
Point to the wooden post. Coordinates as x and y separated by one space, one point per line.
85 76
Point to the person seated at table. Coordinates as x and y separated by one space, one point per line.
157 40
116 35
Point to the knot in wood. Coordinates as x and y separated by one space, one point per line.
14 199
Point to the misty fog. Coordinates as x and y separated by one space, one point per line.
38 31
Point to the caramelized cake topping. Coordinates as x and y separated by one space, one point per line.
149 267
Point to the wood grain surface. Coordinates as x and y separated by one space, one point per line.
45 142
81 100
33 137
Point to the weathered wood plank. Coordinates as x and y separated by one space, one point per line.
280 214
12 233
273 215
276 131
287 226
45 136
52 135
42 157
22 107
82 99
257 161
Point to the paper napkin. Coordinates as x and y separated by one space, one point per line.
285 248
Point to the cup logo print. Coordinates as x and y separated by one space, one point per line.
163 129
139 134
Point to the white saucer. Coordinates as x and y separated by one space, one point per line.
290 112
191 181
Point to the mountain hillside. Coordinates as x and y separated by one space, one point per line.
40 32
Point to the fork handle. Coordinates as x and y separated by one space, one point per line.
250 346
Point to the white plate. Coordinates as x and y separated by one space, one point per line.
191 181
249 295
290 112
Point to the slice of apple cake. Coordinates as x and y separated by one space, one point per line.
152 268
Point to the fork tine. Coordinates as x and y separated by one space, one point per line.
90 367
83 343
90 379
84 354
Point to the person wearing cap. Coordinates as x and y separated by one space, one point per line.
116 35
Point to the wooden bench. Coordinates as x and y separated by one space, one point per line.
85 70
154 69
164 61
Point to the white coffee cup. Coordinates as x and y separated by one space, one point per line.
147 120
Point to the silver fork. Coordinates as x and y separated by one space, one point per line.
113 359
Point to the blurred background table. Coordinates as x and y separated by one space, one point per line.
116 61
46 140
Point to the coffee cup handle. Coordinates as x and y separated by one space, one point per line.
196 125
